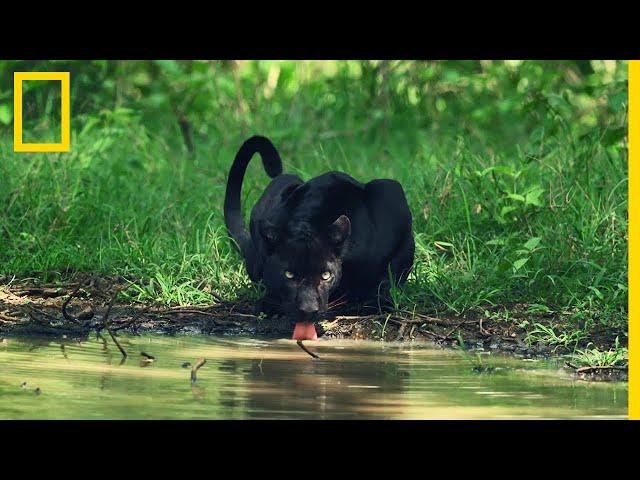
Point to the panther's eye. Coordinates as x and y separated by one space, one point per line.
326 275
289 274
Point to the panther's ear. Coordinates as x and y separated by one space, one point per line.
340 230
269 232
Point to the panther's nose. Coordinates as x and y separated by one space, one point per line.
308 304
308 311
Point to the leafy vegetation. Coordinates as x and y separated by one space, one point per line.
516 174
475 359
568 338
594 357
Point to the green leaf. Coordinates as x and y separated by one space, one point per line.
538 308
6 114
91 123
597 292
506 170
518 264
532 243
515 196
506 210
495 241
532 197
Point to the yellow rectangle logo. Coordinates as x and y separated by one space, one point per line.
65 93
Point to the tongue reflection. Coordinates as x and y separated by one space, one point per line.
305 331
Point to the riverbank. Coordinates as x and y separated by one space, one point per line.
77 309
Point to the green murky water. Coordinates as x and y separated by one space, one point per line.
250 378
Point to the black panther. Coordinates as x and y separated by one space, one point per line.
330 239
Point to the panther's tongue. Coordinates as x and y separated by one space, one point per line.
305 331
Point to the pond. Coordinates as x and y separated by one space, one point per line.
248 378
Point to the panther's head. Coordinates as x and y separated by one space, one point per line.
302 268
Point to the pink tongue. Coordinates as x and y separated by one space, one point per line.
305 331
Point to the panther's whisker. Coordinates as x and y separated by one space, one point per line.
332 307
340 300
337 304
333 304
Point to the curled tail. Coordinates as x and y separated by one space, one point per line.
232 208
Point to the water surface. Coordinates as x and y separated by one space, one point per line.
246 378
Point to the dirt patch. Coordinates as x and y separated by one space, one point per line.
79 308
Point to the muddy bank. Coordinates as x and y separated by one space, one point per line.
78 309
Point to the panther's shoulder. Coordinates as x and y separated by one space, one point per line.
334 177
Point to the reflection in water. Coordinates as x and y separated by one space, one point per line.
317 388
251 378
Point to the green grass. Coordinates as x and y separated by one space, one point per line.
513 203
568 338
480 362
594 357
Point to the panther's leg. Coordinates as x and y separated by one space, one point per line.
396 275
268 305
402 260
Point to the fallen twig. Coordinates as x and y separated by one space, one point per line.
9 318
482 330
301 345
217 297
595 368
105 322
433 334
65 314
609 367
401 330
355 318
446 337
422 316
146 359
213 312
132 320
31 311
39 292
195 368
104 340
180 310
85 315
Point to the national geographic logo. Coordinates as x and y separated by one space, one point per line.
65 93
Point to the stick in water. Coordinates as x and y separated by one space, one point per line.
301 345
194 369
105 321
85 315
